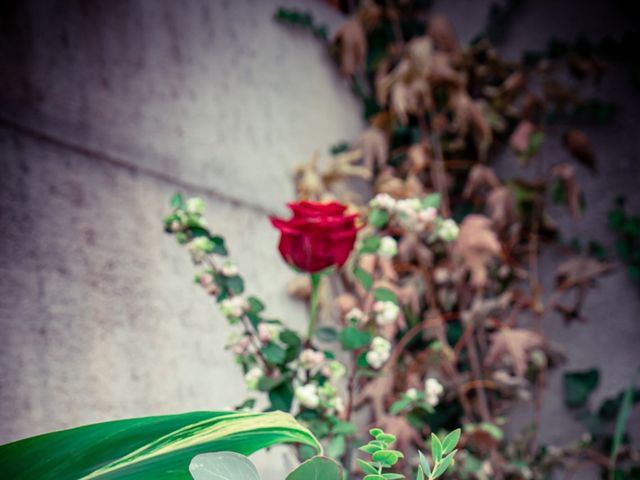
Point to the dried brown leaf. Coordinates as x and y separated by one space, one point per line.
477 244
353 47
580 147
579 270
515 344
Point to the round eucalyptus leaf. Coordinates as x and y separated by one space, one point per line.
222 466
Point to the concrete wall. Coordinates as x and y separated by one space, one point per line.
107 108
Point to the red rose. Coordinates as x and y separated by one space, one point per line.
318 236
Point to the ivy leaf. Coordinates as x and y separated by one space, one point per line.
579 385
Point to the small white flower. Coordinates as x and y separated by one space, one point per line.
441 275
205 279
195 205
376 359
337 404
409 206
380 344
386 312
229 269
412 394
379 353
264 332
175 226
432 391
307 395
233 307
428 215
384 201
310 359
448 230
388 247
252 377
336 370
355 315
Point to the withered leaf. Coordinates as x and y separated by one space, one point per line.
477 244
353 47
516 344
580 147
580 270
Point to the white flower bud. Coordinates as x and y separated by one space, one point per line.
427 215
384 201
233 307
307 395
388 247
229 269
205 279
252 377
432 391
380 344
386 312
310 359
448 230
195 205
412 394
376 358
264 332
355 315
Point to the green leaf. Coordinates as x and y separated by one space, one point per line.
274 354
432 200
365 279
385 295
443 465
436 448
148 447
621 421
374 432
336 447
378 218
255 304
367 467
344 428
420 475
352 339
424 464
281 397
375 476
386 437
450 441
177 201
387 457
370 245
327 334
579 385
291 338
222 466
235 284
399 405
321 468
392 476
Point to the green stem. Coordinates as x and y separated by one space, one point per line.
315 284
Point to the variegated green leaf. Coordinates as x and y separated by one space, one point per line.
147 448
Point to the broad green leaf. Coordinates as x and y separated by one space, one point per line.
353 339
274 353
148 447
222 466
177 201
336 447
370 245
320 468
579 385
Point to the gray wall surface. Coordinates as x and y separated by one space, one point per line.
108 108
